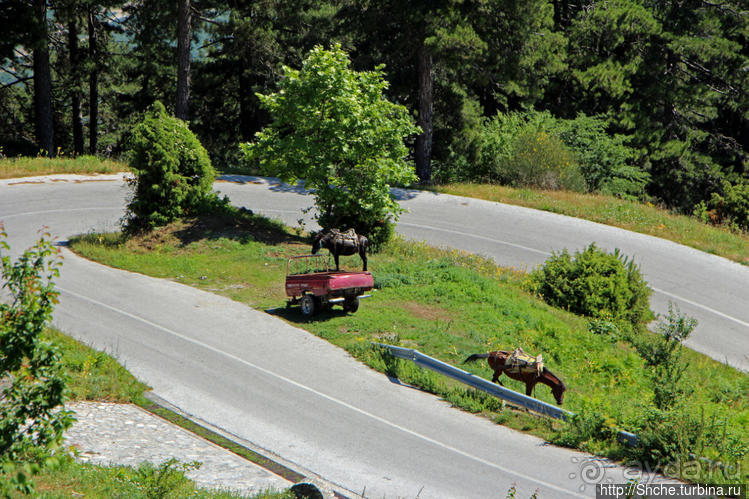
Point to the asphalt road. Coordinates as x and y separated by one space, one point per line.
295 396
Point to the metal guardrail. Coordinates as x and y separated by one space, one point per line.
487 386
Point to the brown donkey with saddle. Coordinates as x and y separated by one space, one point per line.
522 367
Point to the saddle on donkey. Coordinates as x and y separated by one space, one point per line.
519 362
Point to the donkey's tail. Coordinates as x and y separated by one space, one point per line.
476 356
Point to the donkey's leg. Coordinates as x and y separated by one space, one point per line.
529 386
335 257
496 376
363 255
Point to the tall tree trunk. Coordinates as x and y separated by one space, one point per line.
246 130
93 85
184 37
423 151
45 129
75 92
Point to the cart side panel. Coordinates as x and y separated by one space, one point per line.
317 284
348 280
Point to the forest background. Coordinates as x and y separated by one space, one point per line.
641 99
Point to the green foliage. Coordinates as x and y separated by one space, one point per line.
664 358
33 386
731 206
541 161
670 77
683 439
537 150
606 161
595 284
333 128
173 174
586 426
165 479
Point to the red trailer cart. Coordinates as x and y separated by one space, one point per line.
311 284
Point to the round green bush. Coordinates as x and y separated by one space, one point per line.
595 284
542 161
173 173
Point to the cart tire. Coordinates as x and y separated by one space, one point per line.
351 304
322 304
308 305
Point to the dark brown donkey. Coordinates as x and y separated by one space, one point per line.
497 361
341 243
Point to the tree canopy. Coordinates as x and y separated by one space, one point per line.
332 127
668 79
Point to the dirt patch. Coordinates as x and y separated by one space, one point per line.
243 227
428 312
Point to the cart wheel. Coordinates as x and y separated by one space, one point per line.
351 304
308 305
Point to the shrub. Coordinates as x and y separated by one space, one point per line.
173 174
588 425
731 207
501 149
594 283
676 441
664 358
606 161
33 385
540 160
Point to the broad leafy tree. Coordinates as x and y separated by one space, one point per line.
332 127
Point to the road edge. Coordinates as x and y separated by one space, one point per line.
161 408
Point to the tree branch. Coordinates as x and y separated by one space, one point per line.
722 7
18 80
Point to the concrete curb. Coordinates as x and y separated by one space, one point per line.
307 484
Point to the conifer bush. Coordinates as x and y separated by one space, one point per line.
173 173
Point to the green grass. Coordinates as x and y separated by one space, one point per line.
638 217
30 167
447 304
73 479
94 375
